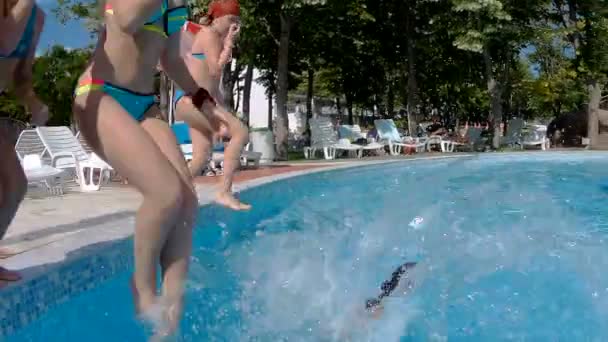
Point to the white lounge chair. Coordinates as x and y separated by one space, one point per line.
473 137
514 131
353 133
324 138
388 133
535 136
38 173
445 144
350 132
67 153
29 143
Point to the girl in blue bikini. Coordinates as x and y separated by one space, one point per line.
21 22
115 106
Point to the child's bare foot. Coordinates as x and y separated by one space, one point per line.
228 200
142 305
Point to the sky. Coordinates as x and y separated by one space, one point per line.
72 35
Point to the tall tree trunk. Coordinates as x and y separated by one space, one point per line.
338 106
227 86
270 98
247 93
412 84
229 81
165 86
282 123
238 99
309 96
349 108
390 98
495 98
595 96
309 92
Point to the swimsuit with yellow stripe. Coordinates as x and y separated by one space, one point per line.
135 103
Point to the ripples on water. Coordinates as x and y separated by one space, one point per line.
507 250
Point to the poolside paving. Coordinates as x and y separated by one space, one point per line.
43 220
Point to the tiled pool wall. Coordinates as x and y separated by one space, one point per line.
25 302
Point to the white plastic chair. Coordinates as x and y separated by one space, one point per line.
324 137
92 174
67 153
536 136
36 172
387 132
514 132
29 143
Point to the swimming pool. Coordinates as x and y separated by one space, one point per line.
510 247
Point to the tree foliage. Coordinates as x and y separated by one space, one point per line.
54 76
464 59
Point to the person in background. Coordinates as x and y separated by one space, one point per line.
436 128
211 50
21 22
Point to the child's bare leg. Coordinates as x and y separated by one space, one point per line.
13 186
120 140
239 137
201 133
201 150
175 255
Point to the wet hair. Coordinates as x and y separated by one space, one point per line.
389 286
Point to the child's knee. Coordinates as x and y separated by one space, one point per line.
167 199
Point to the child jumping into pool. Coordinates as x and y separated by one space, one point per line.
373 307
115 106
21 22
211 50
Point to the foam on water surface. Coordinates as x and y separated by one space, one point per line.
509 248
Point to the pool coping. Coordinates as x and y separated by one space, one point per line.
56 271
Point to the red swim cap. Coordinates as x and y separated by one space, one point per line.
220 8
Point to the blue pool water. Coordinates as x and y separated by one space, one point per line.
510 247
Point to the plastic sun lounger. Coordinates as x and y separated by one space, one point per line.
65 152
38 173
387 132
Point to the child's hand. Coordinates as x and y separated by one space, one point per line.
234 30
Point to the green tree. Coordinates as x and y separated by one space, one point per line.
54 76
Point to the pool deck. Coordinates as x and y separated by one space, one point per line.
50 230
